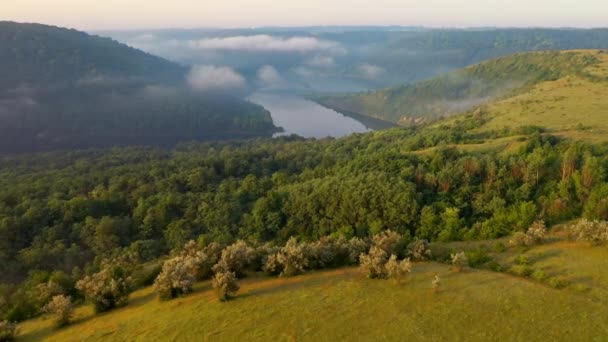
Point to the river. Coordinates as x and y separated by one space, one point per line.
297 115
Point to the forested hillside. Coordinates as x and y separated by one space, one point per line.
466 88
65 212
63 89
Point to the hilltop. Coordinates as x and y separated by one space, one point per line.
474 86
65 89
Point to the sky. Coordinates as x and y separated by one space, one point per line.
147 14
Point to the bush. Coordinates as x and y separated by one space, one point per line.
521 270
272 266
558 283
225 284
459 261
520 239
539 275
176 277
436 283
478 258
522 260
292 258
495 266
537 233
61 307
356 247
107 289
391 242
398 270
202 261
419 250
499 247
7 331
373 264
235 258
260 256
324 253
595 232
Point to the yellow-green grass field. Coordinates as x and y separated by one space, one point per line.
572 106
473 305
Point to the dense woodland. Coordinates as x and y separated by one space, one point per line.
64 212
65 89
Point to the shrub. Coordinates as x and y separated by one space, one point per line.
459 261
519 239
176 277
7 331
419 250
398 270
46 291
373 264
292 258
107 289
235 258
200 260
272 266
226 285
558 283
499 247
391 242
61 307
521 270
356 247
478 258
495 266
595 232
537 233
436 283
539 275
323 253
522 260
260 256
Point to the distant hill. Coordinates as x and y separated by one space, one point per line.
466 88
63 89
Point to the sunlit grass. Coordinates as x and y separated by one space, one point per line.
340 304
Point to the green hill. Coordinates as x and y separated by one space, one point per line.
64 89
474 305
466 88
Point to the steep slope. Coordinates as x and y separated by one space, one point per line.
64 89
466 88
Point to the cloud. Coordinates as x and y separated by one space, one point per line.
266 43
322 61
212 78
370 71
269 76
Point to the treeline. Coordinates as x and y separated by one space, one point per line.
61 213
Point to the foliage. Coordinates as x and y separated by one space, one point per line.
595 232
419 250
459 261
436 283
373 264
235 258
225 283
7 331
61 307
398 270
293 258
176 277
106 289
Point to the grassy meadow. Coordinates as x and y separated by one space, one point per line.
473 305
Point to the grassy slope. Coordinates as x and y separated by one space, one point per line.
339 304
465 88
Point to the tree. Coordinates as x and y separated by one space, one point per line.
106 289
176 277
61 307
226 285
419 250
292 258
397 270
235 258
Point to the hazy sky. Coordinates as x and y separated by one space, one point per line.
121 14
